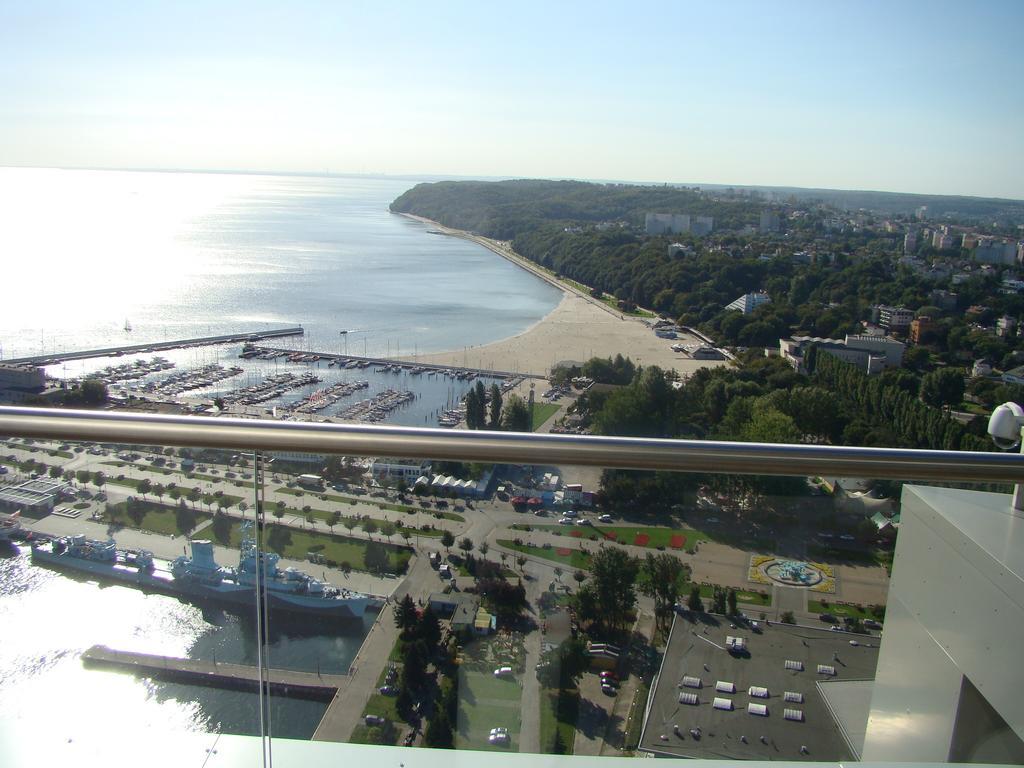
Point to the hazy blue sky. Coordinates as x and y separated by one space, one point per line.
905 96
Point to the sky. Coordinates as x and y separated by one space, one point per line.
907 96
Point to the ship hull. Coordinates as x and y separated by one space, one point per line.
227 594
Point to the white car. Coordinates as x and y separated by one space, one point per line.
584 521
498 736
503 672
605 518
566 521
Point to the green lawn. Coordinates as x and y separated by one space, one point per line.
558 710
575 559
158 518
843 609
487 702
541 413
379 504
336 548
658 537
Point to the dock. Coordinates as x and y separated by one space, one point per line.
157 346
406 365
245 677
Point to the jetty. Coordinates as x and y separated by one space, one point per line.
394 365
156 346
245 677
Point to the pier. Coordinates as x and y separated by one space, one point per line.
283 682
156 346
405 365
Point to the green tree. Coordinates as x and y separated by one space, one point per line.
406 615
472 408
694 603
221 527
279 538
136 511
333 520
517 416
388 528
370 527
439 733
495 422
661 576
613 575
521 561
144 487
447 540
376 557
484 548
731 602
279 510
944 387
429 629
184 518
787 617
466 545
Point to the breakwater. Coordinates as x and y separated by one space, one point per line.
284 682
156 346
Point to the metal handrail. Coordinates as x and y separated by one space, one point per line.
508 447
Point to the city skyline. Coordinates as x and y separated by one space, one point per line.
916 98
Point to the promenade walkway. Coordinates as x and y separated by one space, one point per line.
345 711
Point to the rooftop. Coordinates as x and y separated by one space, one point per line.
698 649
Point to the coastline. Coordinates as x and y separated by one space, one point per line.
578 328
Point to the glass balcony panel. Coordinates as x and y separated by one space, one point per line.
113 623
514 637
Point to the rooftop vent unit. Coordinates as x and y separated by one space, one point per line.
723 703
758 692
826 669
793 697
757 709
795 666
689 698
723 686
796 715
692 682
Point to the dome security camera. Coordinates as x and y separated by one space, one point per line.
1004 425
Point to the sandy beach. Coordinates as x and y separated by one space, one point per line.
579 328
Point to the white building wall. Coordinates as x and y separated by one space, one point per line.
955 610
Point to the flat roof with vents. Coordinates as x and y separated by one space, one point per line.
697 648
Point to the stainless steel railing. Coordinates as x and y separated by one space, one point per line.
506 447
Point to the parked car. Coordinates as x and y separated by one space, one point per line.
605 518
836 628
608 689
606 675
388 690
871 624
571 513
566 521
541 513
503 672
584 521
374 720
828 617
498 736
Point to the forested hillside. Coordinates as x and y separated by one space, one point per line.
505 209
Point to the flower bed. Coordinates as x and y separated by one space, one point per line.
577 533
563 551
678 541
641 540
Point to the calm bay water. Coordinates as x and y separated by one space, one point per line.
175 255
181 254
